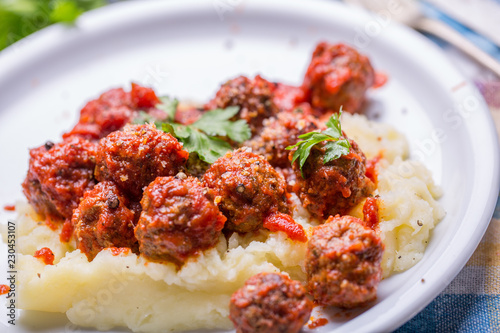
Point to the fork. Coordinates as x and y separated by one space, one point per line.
408 12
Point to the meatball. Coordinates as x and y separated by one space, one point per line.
188 113
338 76
270 303
335 187
134 157
254 97
58 175
343 262
99 117
287 98
179 219
247 189
111 111
196 167
280 132
102 220
143 97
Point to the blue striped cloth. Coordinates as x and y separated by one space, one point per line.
482 42
471 303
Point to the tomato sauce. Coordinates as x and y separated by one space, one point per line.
9 208
52 224
4 289
116 251
380 80
370 212
285 223
46 255
371 169
287 97
66 231
315 323
143 97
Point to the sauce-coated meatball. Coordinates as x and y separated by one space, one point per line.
247 189
135 156
58 175
103 220
254 97
280 132
143 98
335 187
179 219
113 110
338 76
188 113
288 98
343 262
270 303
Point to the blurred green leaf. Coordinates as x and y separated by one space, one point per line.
66 11
20 18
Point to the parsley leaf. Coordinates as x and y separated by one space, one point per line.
203 137
335 147
333 125
169 106
143 118
216 123
208 148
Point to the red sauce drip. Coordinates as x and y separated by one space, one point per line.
4 289
333 83
371 168
46 255
187 116
287 97
370 212
10 208
380 80
318 323
143 97
51 223
66 231
116 251
353 156
285 223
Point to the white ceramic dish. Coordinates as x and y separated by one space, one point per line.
187 48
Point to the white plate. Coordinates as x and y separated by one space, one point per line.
187 48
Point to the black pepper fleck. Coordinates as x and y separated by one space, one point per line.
113 202
240 188
48 145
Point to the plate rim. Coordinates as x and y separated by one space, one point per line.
44 40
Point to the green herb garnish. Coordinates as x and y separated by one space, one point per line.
20 18
169 106
204 136
335 147
143 118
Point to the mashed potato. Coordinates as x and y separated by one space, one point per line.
126 290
